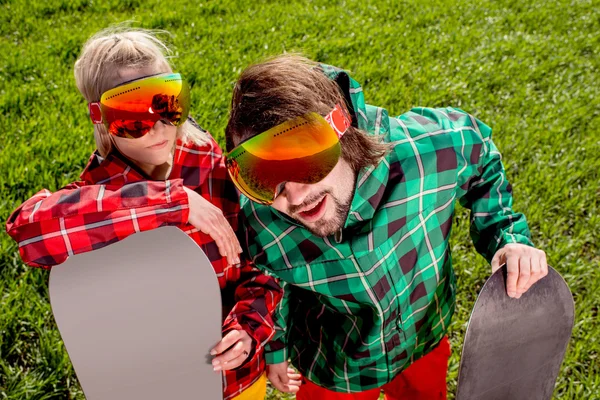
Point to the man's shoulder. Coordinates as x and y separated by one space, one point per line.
441 115
437 127
426 119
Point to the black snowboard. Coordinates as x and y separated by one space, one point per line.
513 348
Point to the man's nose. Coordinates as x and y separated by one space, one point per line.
295 193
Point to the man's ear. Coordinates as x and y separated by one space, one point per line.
343 81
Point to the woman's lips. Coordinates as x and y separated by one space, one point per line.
315 212
159 145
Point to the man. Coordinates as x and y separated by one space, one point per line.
352 211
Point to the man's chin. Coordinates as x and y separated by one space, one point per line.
323 227
319 232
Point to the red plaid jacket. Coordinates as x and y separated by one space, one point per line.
114 200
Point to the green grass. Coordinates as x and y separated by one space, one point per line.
530 69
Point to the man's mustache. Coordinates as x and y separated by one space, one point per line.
293 209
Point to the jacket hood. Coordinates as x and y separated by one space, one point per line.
353 94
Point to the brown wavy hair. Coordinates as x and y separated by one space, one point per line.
288 86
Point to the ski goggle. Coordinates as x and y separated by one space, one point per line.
304 150
131 110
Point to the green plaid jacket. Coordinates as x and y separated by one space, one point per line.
360 307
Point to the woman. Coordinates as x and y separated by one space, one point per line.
153 166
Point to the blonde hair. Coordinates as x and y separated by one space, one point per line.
109 51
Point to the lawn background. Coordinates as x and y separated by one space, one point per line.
529 69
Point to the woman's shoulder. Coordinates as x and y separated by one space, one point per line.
203 153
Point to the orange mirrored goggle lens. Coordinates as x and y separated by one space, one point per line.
302 150
132 109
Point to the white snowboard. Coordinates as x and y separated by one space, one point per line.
139 318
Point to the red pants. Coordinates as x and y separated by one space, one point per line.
425 379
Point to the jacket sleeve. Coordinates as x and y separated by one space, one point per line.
49 227
255 299
489 197
276 351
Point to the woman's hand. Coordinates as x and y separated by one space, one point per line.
209 219
232 350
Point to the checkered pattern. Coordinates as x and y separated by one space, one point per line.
361 306
114 200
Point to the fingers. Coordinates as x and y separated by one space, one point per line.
524 275
236 362
277 378
539 268
234 348
216 226
498 260
228 356
232 358
512 275
290 387
226 342
229 245
209 219
294 380
236 248
293 374
284 379
222 235
525 266
543 264
535 272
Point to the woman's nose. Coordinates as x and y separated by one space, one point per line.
158 126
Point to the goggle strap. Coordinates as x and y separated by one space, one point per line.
95 112
339 120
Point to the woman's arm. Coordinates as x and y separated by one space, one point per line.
256 296
49 227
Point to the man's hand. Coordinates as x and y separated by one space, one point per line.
232 350
525 266
284 378
209 219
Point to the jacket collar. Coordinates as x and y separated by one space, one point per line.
369 191
115 169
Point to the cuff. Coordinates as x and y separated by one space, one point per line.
275 356
509 238
178 195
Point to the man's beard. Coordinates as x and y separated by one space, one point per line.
326 227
